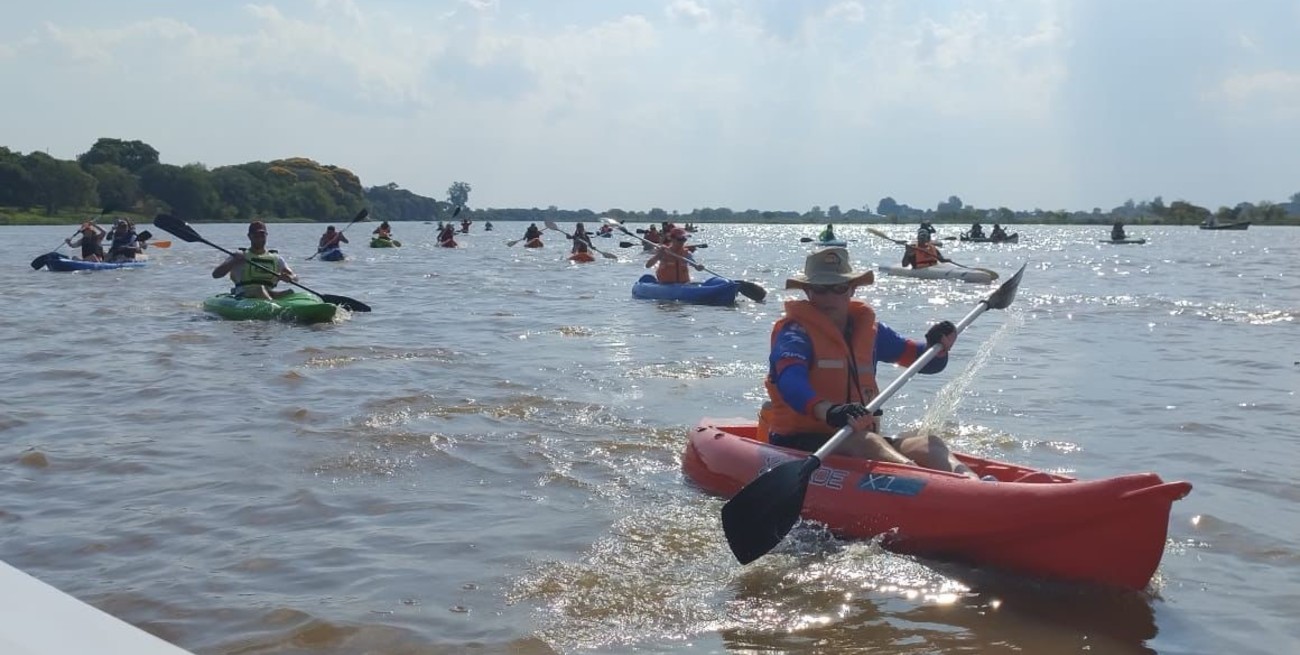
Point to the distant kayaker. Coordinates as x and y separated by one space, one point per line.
532 232
464 226
822 368
827 234
976 231
925 225
923 253
1117 232
673 259
580 236
487 227
252 281
384 231
998 234
91 240
331 239
447 235
652 235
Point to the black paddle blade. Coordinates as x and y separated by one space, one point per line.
806 239
345 302
177 227
758 518
361 215
144 236
40 261
627 244
455 211
751 290
1006 293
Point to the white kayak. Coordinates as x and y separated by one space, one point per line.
943 271
830 243
37 619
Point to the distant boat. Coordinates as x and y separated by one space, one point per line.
1212 225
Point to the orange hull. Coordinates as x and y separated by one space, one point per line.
582 257
1107 532
533 243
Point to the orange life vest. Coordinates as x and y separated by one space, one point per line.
925 255
673 270
831 366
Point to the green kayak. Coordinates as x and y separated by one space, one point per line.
298 306
380 242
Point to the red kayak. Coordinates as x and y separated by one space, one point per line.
582 257
1029 522
449 243
533 243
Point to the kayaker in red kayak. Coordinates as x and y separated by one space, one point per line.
447 236
823 368
251 281
580 236
923 253
673 259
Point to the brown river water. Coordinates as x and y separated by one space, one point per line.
489 462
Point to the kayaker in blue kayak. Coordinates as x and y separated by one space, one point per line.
91 241
673 259
123 244
822 368
251 281
331 239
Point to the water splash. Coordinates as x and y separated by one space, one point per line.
950 396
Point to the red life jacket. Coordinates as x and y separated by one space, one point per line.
925 255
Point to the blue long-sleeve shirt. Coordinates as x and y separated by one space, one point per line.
793 350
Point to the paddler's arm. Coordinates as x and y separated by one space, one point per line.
894 348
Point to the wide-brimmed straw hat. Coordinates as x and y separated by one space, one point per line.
829 266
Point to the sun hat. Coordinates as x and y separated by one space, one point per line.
828 266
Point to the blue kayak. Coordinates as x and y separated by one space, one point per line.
713 291
332 255
63 264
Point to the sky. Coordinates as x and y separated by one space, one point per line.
686 104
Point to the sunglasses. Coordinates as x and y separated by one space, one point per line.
837 289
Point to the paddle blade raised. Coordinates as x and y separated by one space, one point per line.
758 518
751 290
1006 293
177 228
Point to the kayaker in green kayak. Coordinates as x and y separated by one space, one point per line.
822 368
827 234
251 281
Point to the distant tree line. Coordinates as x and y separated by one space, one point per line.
127 176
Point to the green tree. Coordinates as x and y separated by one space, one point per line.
16 186
241 192
59 183
131 155
458 194
187 190
118 188
888 207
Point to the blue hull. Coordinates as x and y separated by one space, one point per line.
63 264
713 291
332 255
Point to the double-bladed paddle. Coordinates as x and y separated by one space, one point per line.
361 216
757 518
40 259
810 240
886 237
629 244
183 230
748 289
550 225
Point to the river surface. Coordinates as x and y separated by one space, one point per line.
489 462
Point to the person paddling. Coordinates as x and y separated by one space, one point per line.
252 281
384 231
923 253
1117 232
91 240
998 234
532 233
672 259
331 239
123 243
822 368
447 235
827 234
580 236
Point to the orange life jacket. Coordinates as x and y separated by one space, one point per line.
673 270
925 255
831 366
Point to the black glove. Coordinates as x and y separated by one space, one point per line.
938 331
839 416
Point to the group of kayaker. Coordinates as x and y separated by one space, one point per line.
124 243
976 232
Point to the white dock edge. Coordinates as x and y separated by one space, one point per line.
37 619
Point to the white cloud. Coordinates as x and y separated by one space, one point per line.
689 11
850 11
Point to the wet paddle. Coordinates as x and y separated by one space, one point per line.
759 516
361 216
629 244
41 259
748 289
886 237
182 230
550 225
811 240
